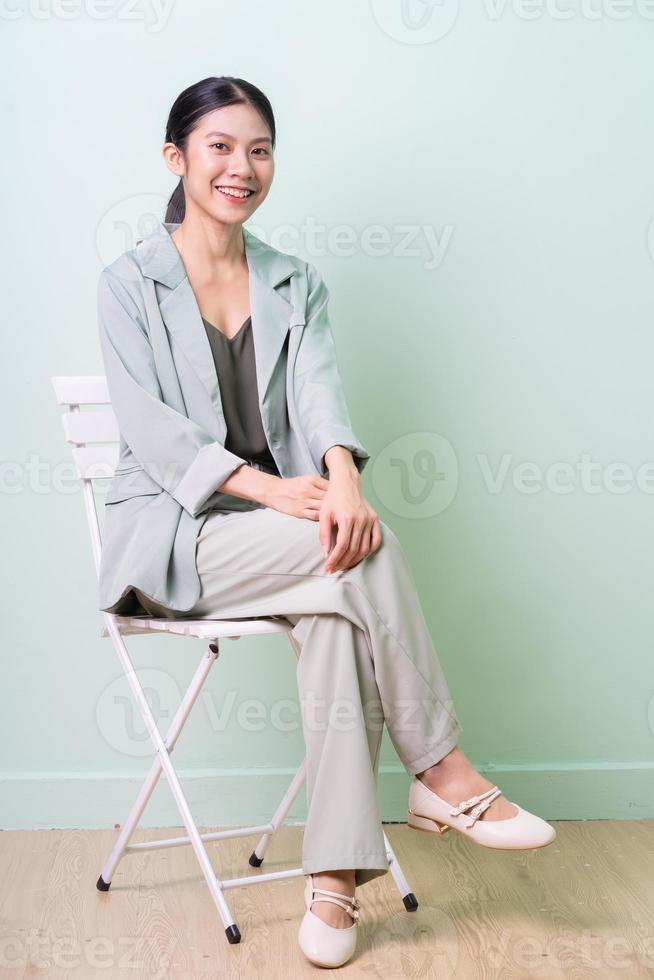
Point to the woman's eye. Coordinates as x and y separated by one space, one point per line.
259 150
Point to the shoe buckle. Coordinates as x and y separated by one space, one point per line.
483 800
348 903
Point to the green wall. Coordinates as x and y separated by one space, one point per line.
477 191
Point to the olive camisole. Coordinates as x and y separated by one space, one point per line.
236 369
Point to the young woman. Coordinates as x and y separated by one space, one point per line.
239 493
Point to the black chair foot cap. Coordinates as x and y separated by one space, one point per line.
102 885
233 935
410 902
255 861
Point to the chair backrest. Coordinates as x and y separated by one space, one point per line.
82 430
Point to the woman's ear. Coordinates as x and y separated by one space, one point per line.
173 159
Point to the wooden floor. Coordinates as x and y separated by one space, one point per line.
581 907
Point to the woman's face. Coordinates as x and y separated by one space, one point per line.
229 148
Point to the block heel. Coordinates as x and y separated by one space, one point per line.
426 824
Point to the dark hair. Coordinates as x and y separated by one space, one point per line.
198 99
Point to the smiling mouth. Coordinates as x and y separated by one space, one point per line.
234 193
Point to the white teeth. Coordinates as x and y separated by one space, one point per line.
234 193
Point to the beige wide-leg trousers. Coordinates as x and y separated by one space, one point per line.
365 658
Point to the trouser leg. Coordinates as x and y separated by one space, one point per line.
342 720
418 707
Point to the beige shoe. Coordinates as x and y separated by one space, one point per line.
431 813
321 943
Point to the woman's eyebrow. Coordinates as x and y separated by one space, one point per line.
260 139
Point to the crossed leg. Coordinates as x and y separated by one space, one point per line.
366 657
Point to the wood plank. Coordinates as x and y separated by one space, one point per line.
582 907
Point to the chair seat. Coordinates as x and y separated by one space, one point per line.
203 628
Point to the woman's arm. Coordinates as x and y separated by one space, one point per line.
324 416
322 407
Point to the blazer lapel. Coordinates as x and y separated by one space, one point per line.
272 314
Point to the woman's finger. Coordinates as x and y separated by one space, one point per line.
341 547
353 553
376 537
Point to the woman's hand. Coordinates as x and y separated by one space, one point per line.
301 496
358 530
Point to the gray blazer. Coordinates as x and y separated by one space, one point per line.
165 393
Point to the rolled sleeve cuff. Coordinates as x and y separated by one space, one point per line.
208 471
320 442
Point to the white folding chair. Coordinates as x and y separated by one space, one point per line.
82 430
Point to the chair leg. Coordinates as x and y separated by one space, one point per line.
258 854
164 763
129 826
409 899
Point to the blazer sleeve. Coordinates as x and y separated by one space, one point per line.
320 399
178 454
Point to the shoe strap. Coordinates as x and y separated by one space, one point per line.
352 906
483 801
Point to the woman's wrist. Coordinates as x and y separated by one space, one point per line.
250 483
340 464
